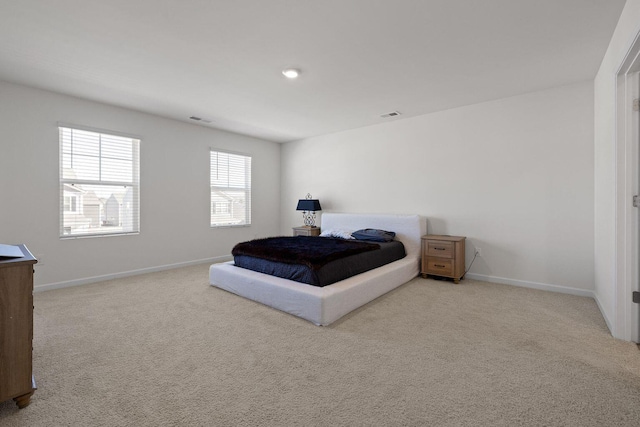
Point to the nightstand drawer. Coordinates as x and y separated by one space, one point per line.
440 266
440 249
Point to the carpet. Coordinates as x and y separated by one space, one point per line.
167 349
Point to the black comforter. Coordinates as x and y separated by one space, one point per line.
317 261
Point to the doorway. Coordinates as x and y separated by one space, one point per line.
628 186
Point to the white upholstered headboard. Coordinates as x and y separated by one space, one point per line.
408 228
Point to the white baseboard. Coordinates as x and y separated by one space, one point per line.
481 277
532 285
94 279
604 313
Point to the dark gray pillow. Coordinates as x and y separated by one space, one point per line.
374 235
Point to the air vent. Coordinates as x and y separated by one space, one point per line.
200 119
391 114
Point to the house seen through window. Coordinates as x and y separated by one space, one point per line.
230 189
99 183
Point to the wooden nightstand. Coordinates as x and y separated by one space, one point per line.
306 231
443 256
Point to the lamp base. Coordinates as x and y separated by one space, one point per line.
309 218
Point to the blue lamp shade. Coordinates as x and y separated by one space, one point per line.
310 205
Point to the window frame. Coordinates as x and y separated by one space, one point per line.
247 189
134 184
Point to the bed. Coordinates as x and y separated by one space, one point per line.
324 305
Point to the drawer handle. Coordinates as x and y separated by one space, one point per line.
439 249
439 265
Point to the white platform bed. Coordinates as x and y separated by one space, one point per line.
325 305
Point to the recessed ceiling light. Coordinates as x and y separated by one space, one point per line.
291 73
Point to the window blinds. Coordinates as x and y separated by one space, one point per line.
99 183
230 189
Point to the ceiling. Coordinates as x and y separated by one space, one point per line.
222 60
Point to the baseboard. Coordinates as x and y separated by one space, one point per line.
94 279
481 277
603 312
532 285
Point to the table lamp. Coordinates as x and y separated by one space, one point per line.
309 206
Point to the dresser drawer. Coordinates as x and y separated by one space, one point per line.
440 249
440 266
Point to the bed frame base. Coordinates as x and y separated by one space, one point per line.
324 305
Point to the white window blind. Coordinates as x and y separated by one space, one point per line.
99 183
230 189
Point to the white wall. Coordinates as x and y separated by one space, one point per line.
174 167
609 161
515 176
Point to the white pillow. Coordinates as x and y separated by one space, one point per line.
341 234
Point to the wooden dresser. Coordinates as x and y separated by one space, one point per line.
443 256
16 328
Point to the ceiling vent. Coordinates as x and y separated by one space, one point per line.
391 114
200 119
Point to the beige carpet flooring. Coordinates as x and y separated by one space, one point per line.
166 349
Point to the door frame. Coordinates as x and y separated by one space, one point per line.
627 233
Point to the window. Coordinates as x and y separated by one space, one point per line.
71 203
230 189
99 183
